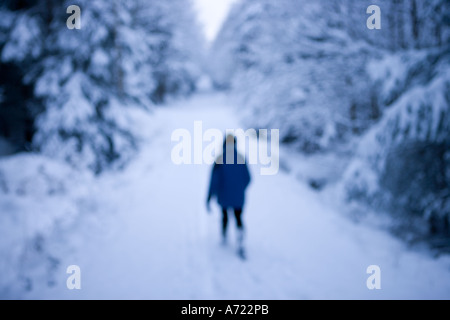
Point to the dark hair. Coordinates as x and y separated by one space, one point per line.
228 137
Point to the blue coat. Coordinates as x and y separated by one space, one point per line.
229 182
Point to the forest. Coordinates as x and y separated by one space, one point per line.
363 116
333 86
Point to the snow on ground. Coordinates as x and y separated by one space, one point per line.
157 241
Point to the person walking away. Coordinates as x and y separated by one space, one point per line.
229 180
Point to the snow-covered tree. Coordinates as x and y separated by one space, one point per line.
403 163
315 71
126 55
301 65
296 66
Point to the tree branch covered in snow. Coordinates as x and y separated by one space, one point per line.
127 55
315 71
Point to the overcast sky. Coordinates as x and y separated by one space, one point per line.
212 14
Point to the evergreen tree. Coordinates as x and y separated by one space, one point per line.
126 55
315 71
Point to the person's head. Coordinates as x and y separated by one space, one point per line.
230 141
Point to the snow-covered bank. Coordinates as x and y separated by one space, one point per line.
40 200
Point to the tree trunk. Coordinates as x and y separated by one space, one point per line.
399 6
438 24
393 25
415 24
118 71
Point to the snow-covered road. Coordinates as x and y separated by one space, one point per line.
158 242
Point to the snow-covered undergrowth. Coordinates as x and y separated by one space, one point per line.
40 200
49 207
401 164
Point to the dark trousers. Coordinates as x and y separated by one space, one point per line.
237 215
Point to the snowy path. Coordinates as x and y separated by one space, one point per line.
161 244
